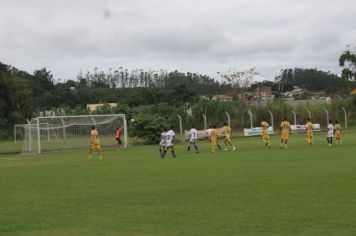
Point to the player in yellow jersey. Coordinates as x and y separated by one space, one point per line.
285 130
94 143
265 134
213 138
337 132
226 130
309 128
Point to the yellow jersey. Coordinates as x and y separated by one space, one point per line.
94 136
337 128
226 130
285 125
213 136
309 126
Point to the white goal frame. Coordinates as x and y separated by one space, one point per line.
35 126
16 126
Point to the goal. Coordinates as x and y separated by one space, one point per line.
56 133
19 131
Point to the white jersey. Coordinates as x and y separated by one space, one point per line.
208 132
163 139
193 134
330 133
169 138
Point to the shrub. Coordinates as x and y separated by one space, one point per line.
148 127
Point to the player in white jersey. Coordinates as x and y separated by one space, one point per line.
193 138
170 137
330 133
208 132
162 143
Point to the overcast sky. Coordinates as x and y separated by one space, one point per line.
203 36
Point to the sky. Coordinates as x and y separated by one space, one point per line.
199 36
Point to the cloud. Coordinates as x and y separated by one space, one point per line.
202 36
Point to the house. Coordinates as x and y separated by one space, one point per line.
223 98
264 93
93 107
295 92
204 97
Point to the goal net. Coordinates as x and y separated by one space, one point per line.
55 133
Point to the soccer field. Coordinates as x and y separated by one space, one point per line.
253 191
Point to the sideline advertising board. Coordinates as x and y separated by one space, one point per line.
301 128
255 131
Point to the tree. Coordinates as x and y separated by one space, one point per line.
310 79
240 80
347 60
148 127
16 101
43 79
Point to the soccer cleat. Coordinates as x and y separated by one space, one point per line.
225 149
234 148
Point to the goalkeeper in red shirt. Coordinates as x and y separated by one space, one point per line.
118 138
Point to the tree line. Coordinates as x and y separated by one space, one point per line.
23 95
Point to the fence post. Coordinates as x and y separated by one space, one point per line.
294 117
271 114
327 116
250 114
205 122
228 119
309 114
345 114
181 129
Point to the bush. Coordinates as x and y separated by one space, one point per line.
148 127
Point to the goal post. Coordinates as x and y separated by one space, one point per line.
56 133
19 131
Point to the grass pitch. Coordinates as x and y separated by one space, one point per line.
253 191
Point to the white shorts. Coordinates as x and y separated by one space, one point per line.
169 144
193 141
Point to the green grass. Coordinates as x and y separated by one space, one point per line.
254 191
